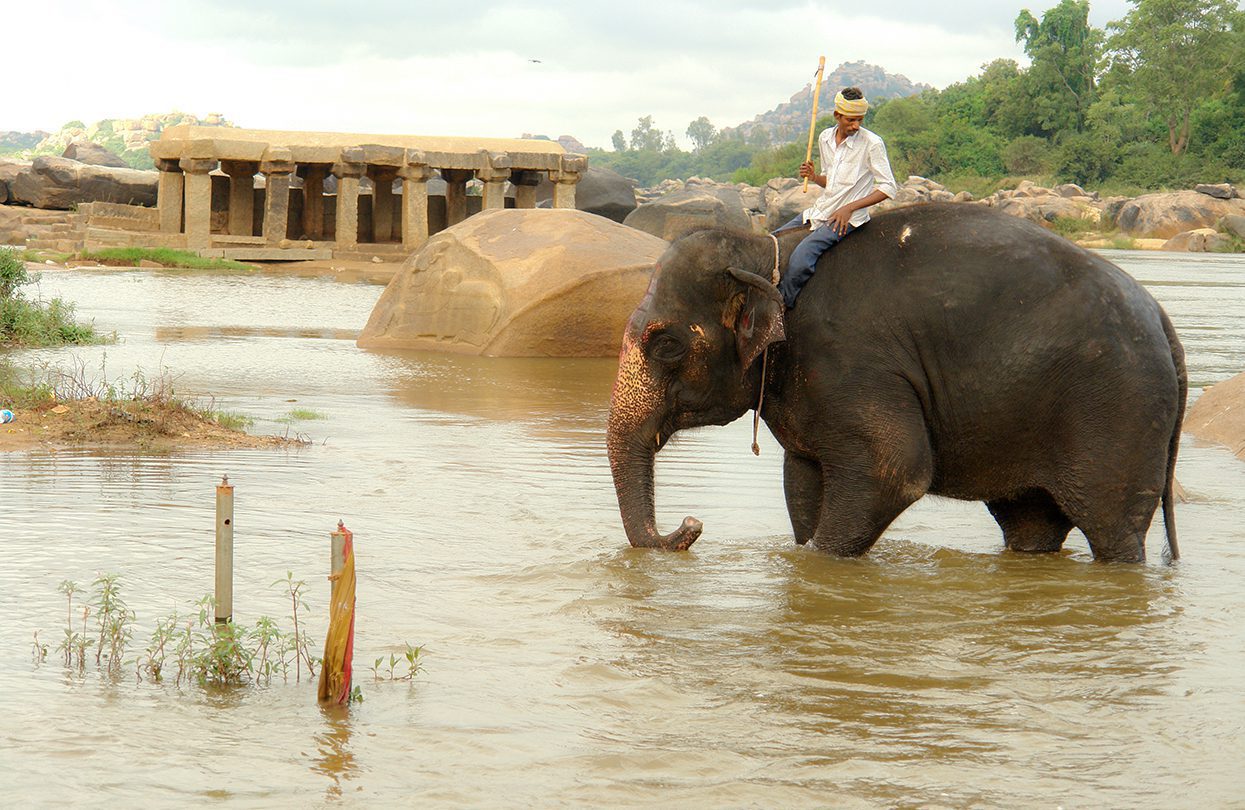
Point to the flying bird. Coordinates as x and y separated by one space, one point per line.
537 61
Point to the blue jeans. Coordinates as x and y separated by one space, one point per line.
804 258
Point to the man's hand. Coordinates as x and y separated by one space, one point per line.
807 171
841 219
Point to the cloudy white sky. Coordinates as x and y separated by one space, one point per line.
464 68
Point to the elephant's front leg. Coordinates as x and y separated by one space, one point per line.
875 469
801 479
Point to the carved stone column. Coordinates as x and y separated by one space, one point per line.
277 168
169 195
415 176
348 170
313 200
565 178
456 194
241 196
525 183
198 201
495 171
383 204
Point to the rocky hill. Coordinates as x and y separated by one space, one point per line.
788 121
127 137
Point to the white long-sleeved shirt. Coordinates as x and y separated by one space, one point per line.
853 170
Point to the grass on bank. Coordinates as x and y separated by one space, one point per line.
26 322
131 256
138 408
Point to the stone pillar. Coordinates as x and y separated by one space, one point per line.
456 194
415 176
383 219
277 168
169 196
241 196
198 201
348 170
525 183
564 179
495 171
313 200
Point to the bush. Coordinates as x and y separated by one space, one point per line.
34 323
1027 154
1085 160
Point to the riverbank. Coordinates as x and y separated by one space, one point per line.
118 425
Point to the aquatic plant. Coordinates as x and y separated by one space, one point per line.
392 671
196 648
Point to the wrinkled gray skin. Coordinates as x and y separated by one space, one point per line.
941 349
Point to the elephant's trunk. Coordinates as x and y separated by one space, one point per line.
632 439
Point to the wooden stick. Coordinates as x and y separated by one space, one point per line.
812 125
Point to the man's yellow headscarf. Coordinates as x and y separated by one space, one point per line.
847 106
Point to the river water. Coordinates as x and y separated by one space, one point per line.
563 668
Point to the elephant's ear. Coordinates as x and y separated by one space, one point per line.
759 320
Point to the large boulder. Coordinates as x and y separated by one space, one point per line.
53 182
1233 224
1219 415
785 199
603 192
1166 214
518 283
9 170
94 154
1048 208
675 214
1199 240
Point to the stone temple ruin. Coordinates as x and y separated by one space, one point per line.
271 195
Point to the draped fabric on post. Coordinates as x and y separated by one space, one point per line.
339 644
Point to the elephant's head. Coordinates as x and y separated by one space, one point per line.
690 357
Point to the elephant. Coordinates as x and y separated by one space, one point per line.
944 348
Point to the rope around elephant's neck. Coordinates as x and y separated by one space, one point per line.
756 415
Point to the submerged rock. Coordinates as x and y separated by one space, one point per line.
518 283
1219 415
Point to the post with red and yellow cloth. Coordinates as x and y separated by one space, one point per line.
339 644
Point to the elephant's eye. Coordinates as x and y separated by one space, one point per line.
666 348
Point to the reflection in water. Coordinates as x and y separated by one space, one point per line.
334 757
563 667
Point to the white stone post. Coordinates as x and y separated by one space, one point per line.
525 183
494 172
456 194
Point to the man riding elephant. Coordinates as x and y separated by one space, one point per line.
857 176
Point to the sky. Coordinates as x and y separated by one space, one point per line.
485 68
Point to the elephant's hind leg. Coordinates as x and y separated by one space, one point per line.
1031 521
801 480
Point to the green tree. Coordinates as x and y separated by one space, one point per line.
701 132
1065 51
1177 53
619 141
646 137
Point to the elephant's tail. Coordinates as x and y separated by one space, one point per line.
1182 380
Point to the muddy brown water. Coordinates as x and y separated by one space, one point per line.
562 667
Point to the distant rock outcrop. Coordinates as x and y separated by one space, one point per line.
790 120
518 283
